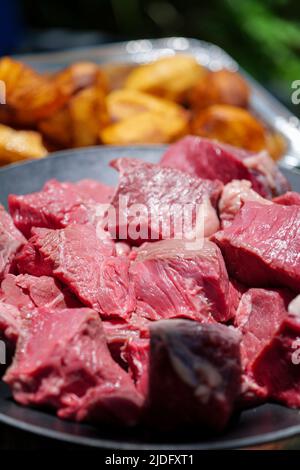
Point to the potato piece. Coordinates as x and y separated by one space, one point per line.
231 125
168 77
88 113
29 95
116 74
145 128
122 104
57 128
78 123
20 145
78 76
222 87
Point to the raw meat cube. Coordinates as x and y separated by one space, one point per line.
172 280
58 205
10 242
161 197
62 361
26 292
288 199
194 374
262 245
210 159
87 265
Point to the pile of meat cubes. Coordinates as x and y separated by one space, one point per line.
157 331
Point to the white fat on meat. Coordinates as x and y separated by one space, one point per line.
233 197
294 306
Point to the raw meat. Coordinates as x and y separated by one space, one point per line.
58 205
234 196
209 159
194 375
62 361
173 280
262 245
269 346
288 199
10 242
26 292
161 197
10 322
87 265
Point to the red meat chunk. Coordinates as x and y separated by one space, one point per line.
269 346
26 292
152 191
84 263
62 361
194 374
288 199
206 158
172 280
10 242
262 245
58 205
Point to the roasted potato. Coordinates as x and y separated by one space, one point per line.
231 125
29 95
116 74
169 77
145 128
20 145
122 104
78 123
78 76
222 87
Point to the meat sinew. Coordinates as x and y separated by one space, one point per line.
262 245
194 374
58 205
84 263
10 242
269 346
62 361
160 196
209 159
173 280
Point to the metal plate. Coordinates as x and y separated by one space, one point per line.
264 424
264 105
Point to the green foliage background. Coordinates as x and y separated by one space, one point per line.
262 35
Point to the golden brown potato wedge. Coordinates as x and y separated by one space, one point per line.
122 104
231 125
169 77
78 123
116 74
88 113
78 76
221 87
20 145
29 95
145 128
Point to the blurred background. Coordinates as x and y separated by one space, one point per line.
262 35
